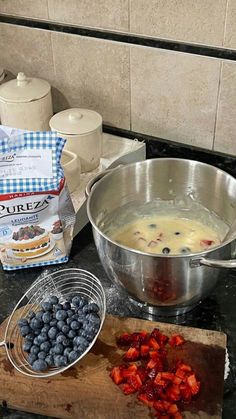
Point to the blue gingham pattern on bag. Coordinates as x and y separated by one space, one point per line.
34 140
32 265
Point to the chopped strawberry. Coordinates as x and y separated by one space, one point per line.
206 242
153 344
186 393
173 409
143 398
131 355
144 351
152 364
167 376
124 340
160 338
131 370
176 340
128 389
135 381
180 374
177 380
158 380
161 405
184 367
173 393
116 375
143 374
193 384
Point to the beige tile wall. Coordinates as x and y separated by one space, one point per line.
176 96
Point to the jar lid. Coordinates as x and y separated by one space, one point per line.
75 121
24 89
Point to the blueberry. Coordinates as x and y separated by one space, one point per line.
45 328
73 355
68 321
65 329
49 360
60 324
39 365
52 333
42 337
93 308
186 250
60 338
42 355
46 306
85 309
31 358
177 233
30 336
58 349
60 361
45 347
166 250
39 315
47 317
152 225
58 307
25 330
27 346
34 349
70 313
93 318
36 341
51 351
66 342
36 324
81 341
90 328
74 317
23 322
37 332
67 351
61 315
53 299
31 315
76 301
89 337
75 325
83 333
66 306
53 322
71 334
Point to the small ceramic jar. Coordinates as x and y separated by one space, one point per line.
82 128
26 103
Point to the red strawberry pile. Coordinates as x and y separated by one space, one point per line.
146 373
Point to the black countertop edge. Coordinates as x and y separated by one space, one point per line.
117 36
159 147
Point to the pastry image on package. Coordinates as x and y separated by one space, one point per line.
36 212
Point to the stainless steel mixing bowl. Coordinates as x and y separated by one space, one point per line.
170 284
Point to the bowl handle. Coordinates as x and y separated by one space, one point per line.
213 263
96 178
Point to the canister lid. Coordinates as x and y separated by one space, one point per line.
75 121
24 89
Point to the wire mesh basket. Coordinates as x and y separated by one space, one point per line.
64 283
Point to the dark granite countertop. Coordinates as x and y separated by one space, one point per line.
217 312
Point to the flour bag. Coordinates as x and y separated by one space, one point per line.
36 212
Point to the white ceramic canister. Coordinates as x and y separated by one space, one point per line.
82 129
26 103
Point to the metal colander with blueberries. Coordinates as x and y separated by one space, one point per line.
55 323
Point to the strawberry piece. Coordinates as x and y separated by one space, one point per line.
143 398
131 355
206 242
128 389
131 370
143 374
177 380
152 364
159 381
160 338
161 405
167 376
173 393
116 376
124 340
153 344
184 367
144 351
193 384
176 340
148 390
186 393
173 409
135 381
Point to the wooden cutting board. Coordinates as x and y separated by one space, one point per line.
86 391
